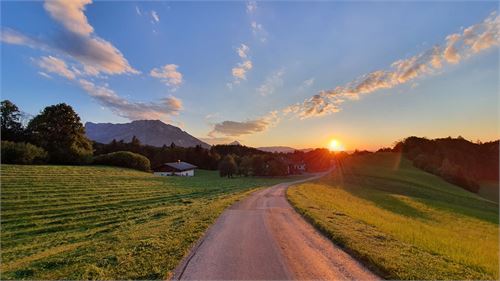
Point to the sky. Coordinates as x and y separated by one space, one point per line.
264 73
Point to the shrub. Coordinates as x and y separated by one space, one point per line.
124 159
22 153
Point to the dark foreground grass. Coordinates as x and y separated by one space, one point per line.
403 222
61 222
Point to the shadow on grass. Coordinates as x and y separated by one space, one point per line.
382 191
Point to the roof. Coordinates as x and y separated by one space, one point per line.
181 166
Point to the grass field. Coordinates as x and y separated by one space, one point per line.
403 222
62 222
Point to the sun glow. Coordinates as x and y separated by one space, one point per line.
335 145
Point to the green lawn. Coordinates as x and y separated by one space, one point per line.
63 222
402 222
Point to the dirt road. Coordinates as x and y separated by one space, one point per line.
262 237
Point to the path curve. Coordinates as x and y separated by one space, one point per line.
262 238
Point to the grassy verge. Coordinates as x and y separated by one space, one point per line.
405 223
61 222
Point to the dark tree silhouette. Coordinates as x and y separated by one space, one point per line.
12 128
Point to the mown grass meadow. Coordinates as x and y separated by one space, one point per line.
402 222
63 222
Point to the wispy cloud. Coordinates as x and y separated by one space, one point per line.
138 11
307 83
54 65
155 16
457 47
168 74
131 110
273 81
240 70
257 29
251 7
77 41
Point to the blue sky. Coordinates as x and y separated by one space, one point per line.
264 73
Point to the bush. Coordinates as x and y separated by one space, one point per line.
124 159
22 153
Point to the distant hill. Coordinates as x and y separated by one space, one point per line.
235 143
150 132
282 149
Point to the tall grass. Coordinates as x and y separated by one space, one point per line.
62 222
403 222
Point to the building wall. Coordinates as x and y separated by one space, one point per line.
188 173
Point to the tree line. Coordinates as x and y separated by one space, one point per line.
456 160
57 136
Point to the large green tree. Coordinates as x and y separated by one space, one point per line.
12 128
59 131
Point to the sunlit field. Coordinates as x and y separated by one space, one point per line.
62 222
402 222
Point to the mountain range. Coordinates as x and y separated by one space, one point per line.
150 132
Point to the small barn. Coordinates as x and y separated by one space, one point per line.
178 168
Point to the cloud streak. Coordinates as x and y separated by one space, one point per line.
55 65
235 129
457 47
131 110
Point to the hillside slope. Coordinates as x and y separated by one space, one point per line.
403 222
151 132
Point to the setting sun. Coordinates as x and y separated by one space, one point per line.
335 145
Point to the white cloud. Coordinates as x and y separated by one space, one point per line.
155 16
168 74
138 11
132 110
273 81
240 70
70 15
55 65
77 41
242 51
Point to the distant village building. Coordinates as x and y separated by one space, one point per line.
178 168
296 167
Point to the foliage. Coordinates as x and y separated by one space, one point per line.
236 150
458 161
201 157
245 166
124 159
22 153
59 131
11 127
404 223
227 167
78 222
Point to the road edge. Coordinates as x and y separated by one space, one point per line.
363 260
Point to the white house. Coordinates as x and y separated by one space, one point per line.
178 168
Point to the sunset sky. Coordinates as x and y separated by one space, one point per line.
264 73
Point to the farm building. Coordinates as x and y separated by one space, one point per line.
178 168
